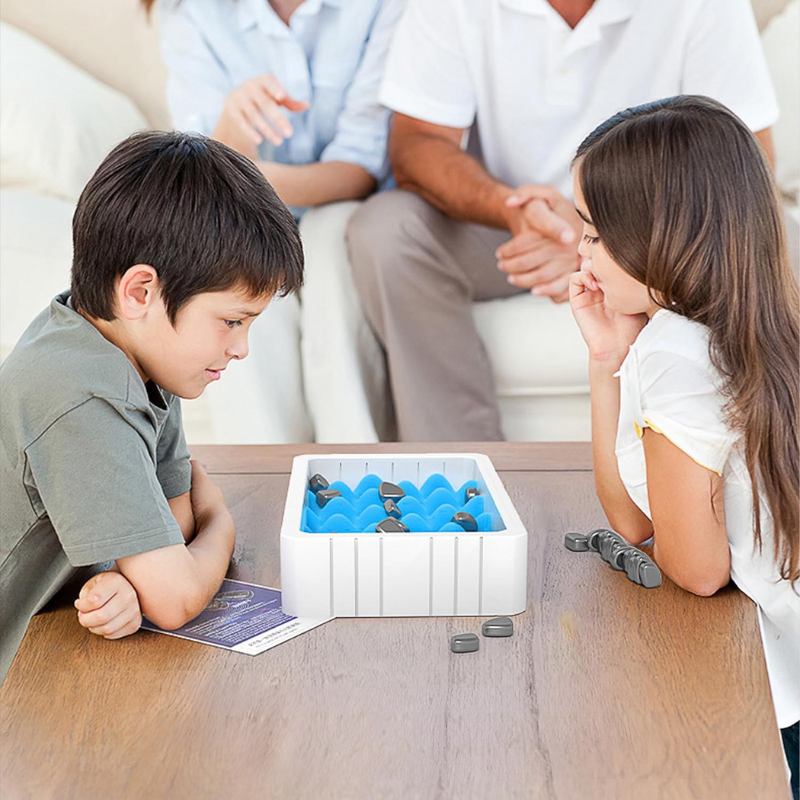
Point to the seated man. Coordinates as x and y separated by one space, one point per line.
536 76
179 244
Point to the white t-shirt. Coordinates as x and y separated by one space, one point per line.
537 87
668 383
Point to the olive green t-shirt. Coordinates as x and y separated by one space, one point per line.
89 456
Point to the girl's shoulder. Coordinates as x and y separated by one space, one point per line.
670 334
670 359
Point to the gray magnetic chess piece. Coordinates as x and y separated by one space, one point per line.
641 569
464 643
649 574
316 483
497 627
391 509
633 559
593 539
576 542
390 491
466 521
391 525
616 555
325 495
470 492
607 541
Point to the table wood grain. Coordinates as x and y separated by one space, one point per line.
606 690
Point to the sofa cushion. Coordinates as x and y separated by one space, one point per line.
783 57
36 255
534 345
56 122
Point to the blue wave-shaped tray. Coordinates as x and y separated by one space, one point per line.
428 508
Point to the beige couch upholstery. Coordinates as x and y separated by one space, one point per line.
537 353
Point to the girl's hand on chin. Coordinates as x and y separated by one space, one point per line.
607 333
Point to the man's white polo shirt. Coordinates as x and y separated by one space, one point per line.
537 87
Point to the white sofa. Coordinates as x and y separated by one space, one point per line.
47 150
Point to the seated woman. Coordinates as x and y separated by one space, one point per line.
293 85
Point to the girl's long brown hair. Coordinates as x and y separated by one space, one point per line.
683 199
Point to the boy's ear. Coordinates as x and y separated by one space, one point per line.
136 291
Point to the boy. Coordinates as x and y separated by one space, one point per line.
179 243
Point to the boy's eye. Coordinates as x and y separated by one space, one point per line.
233 323
591 239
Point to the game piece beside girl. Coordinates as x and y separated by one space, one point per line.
689 307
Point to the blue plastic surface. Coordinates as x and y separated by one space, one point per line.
430 507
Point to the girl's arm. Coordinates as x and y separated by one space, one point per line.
608 336
690 542
623 515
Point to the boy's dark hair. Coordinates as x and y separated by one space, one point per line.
199 213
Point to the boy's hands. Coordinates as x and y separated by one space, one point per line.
108 606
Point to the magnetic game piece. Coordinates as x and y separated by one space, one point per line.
576 542
497 627
324 495
391 525
390 491
317 482
466 521
616 556
607 541
633 559
649 574
470 492
593 539
391 509
464 643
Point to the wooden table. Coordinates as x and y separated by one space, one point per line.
606 690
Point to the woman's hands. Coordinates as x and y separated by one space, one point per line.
607 333
252 113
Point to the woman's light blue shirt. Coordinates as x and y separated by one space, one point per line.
331 54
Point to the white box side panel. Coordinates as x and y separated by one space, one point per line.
306 576
443 574
505 570
468 555
406 576
368 576
343 576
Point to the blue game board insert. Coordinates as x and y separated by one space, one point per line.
428 508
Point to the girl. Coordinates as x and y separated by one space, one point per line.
689 308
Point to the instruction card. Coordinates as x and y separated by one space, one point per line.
243 617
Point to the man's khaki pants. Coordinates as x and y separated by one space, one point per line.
418 272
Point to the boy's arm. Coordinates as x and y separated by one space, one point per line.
175 583
181 507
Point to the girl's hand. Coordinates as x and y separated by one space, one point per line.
254 109
109 606
607 333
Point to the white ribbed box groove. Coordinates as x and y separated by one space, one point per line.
481 573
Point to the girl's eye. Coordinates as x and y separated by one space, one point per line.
591 239
233 323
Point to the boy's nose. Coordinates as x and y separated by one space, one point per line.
239 349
